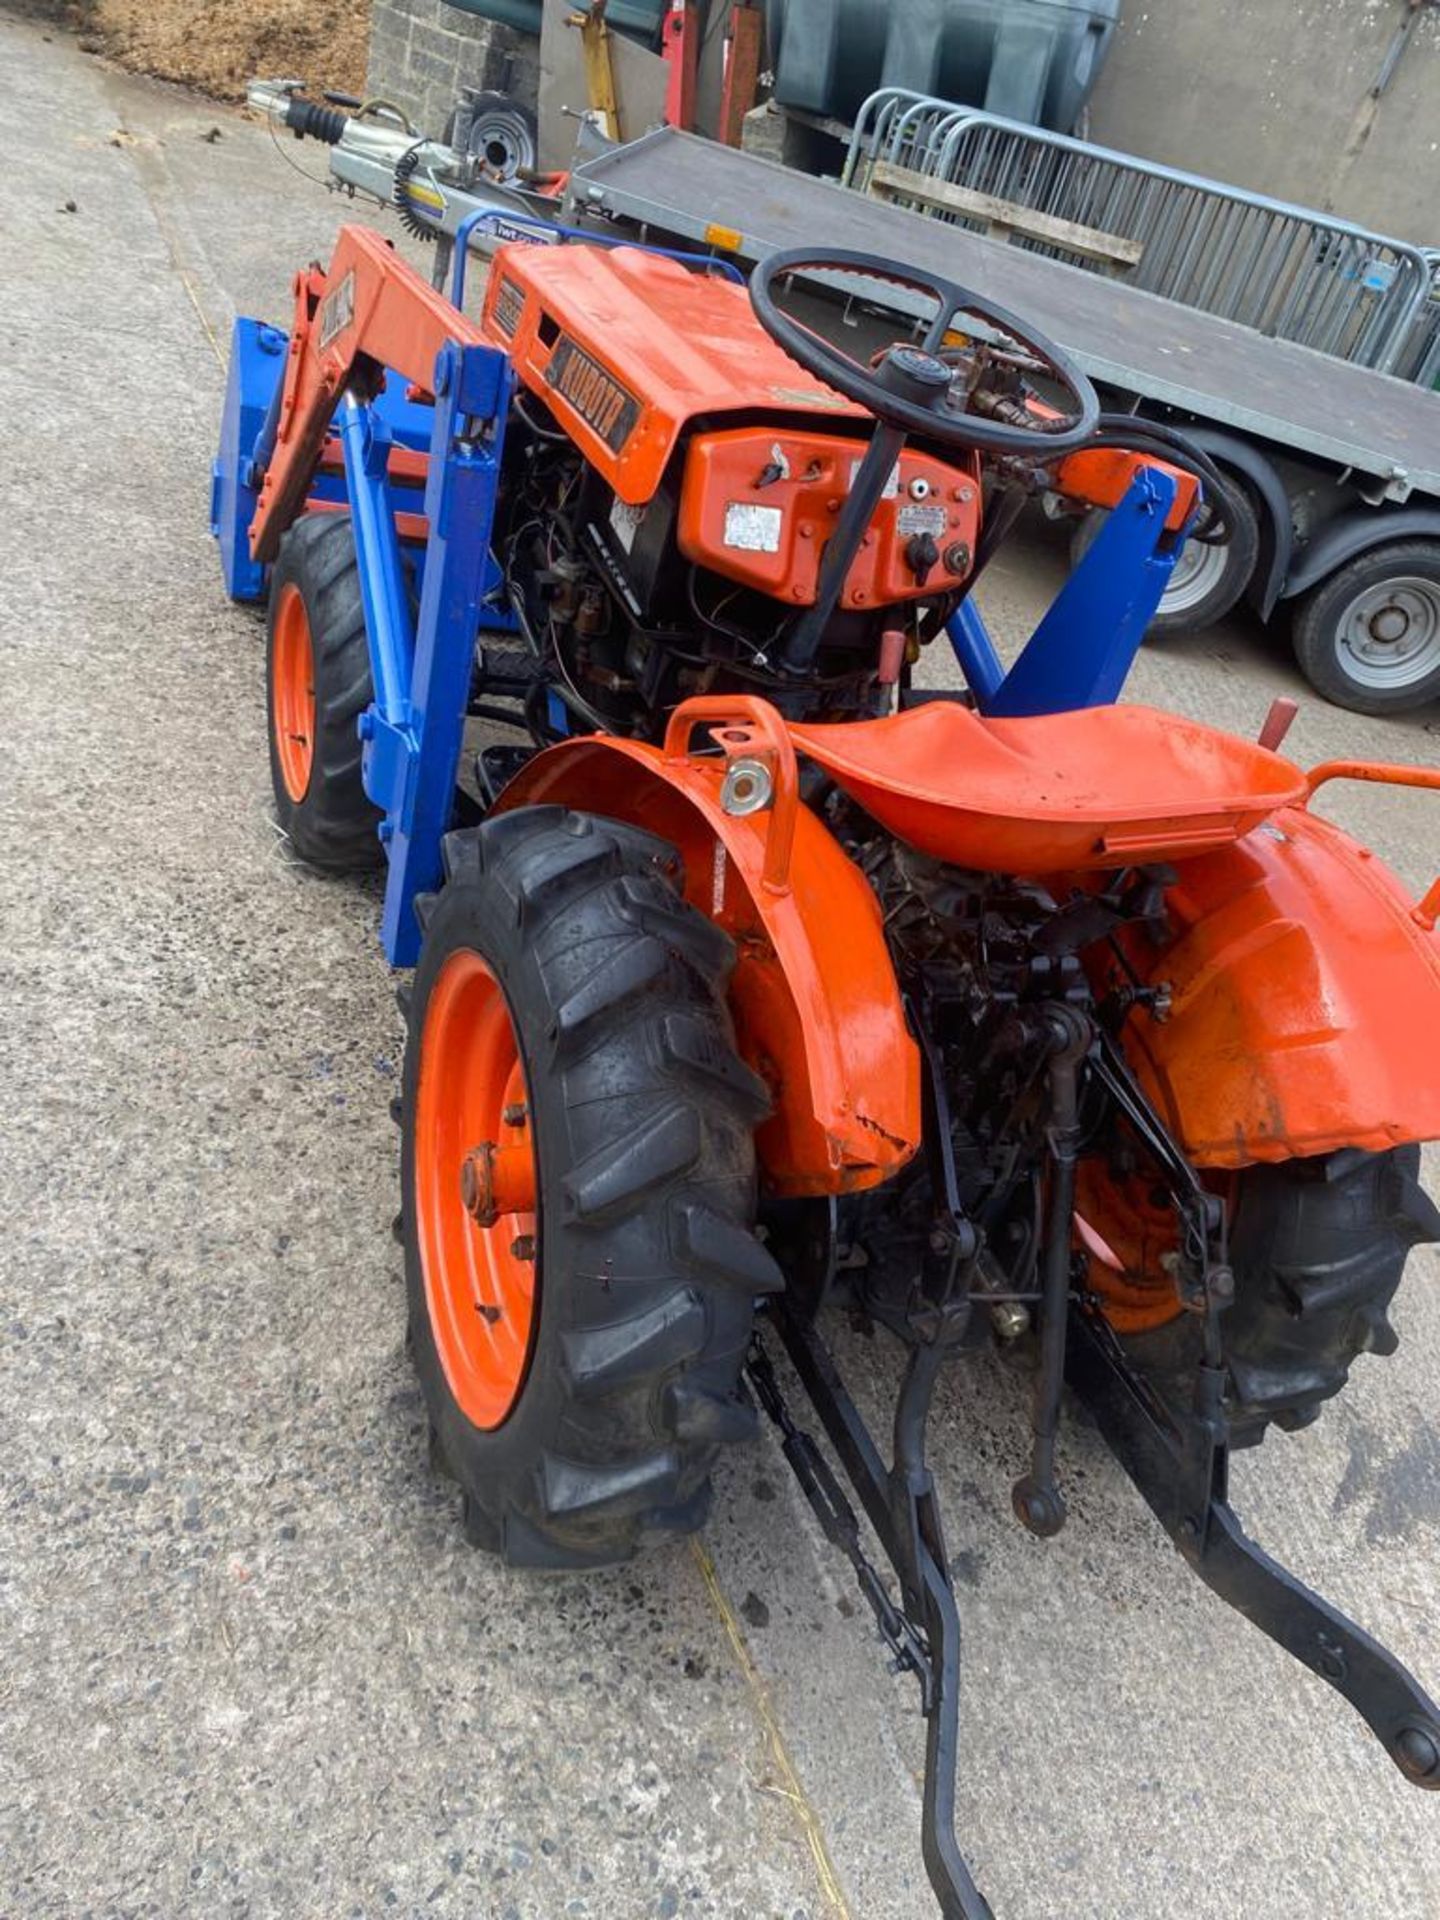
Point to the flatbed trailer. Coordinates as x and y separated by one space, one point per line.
1333 470
1340 465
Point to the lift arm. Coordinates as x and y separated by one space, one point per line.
370 312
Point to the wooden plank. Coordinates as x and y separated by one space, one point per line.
889 182
742 71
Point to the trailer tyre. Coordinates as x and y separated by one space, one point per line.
1368 638
317 672
578 1190
1208 581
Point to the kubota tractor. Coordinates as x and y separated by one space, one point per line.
750 976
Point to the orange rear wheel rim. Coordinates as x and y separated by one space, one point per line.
474 1155
292 693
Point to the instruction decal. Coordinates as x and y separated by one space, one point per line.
337 311
509 305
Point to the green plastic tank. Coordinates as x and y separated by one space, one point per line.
1035 60
639 18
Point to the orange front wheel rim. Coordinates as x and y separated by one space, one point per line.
475 1219
292 693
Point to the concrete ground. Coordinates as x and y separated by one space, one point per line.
247 1665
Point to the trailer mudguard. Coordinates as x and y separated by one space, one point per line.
816 1004
1355 533
1304 999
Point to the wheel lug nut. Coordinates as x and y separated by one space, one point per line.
516 1114
470 1183
523 1246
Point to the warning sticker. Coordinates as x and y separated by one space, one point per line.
921 520
626 520
337 311
753 529
892 485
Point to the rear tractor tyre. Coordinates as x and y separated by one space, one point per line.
577 1190
317 674
1318 1247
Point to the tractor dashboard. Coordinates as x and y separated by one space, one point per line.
637 358
758 504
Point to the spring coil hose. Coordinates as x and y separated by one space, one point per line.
417 227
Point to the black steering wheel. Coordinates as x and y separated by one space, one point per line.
911 388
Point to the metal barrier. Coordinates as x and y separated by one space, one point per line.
1287 271
1420 360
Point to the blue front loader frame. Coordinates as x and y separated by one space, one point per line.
421 668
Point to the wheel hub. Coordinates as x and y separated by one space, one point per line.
1390 633
1390 624
496 1180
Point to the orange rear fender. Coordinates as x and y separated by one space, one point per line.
1305 1001
816 1005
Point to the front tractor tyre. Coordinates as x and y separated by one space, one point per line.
578 1189
317 685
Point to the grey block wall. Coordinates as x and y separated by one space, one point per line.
422 52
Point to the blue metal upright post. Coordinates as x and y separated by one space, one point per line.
472 399
975 651
1083 649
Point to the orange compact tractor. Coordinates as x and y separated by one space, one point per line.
749 975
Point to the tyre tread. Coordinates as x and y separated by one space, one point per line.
654 1208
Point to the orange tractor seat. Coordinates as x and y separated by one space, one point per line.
1102 787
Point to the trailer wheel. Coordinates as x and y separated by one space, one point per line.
1368 638
578 1190
503 135
318 685
1208 581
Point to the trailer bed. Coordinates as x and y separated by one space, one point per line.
1138 342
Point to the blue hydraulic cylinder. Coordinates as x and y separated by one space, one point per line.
366 441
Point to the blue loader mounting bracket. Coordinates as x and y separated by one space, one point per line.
420 667
257 365
414 729
1083 649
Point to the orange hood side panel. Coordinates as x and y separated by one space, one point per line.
1306 1002
627 347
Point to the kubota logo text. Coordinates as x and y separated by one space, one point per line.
599 399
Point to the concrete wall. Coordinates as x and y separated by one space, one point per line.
1275 95
422 52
